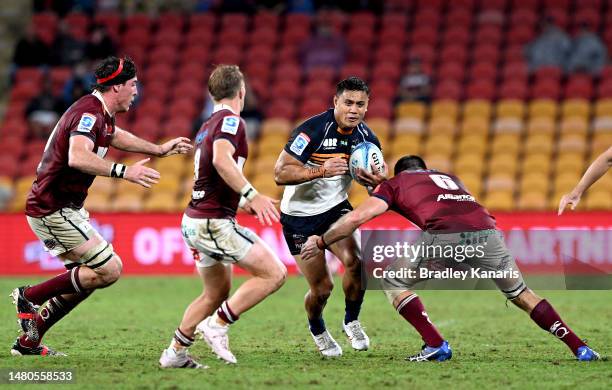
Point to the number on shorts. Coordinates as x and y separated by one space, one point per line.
444 181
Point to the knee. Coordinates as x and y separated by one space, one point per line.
279 276
111 272
527 300
322 291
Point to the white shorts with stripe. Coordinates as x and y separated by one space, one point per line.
216 240
62 230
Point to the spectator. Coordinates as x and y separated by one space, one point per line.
100 44
415 84
251 114
31 51
67 49
324 48
588 54
80 76
43 111
550 48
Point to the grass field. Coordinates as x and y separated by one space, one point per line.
115 339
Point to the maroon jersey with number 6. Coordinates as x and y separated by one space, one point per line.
57 185
211 196
435 202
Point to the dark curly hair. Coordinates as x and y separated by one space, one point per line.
108 66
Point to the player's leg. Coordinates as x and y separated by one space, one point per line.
225 240
541 312
67 234
216 279
348 251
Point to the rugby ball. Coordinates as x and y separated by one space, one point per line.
364 156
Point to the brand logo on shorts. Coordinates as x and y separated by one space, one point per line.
50 243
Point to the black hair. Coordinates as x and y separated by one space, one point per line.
410 162
352 84
108 66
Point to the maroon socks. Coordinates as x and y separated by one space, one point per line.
414 312
66 283
547 318
225 313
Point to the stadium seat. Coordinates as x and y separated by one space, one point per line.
536 162
442 125
574 124
404 144
576 107
510 109
440 144
472 182
408 125
565 181
503 163
276 126
499 200
599 200
603 107
534 181
532 200
160 201
410 110
472 145
505 143
508 125
444 108
541 125
380 126
477 108
474 125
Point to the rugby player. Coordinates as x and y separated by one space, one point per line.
596 170
210 229
313 167
73 157
416 193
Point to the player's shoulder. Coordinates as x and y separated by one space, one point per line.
226 121
87 104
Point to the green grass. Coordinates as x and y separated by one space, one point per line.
115 338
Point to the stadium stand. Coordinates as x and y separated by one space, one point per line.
519 140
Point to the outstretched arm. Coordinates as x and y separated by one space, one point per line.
124 140
345 226
596 170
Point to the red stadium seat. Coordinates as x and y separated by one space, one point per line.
589 16
136 53
380 108
427 17
192 70
300 20
448 90
199 36
24 91
171 20
425 35
260 53
605 89
147 127
163 72
392 34
188 89
390 52
494 5
141 20
548 73
234 20
488 35
288 54
29 74
111 20
167 36
559 15
579 86
196 54
317 89
183 107
136 36
265 19
322 73
157 89
197 20
360 34
457 35
520 35
227 55
515 70
481 89
545 89
14 126
459 17
257 70
177 127
288 71
163 54
77 19
383 90
461 4
451 71
425 53
354 69
280 108
295 35
235 36
263 36
151 107
523 17
486 52
311 107
386 71
394 19
363 18
288 89
513 89
483 70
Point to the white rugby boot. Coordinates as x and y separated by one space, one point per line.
170 358
215 336
356 335
327 345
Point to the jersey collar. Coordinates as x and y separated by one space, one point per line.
219 107
97 94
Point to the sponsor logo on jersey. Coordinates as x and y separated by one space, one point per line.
230 125
459 198
299 144
329 143
86 123
200 137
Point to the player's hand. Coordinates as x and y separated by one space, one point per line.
264 208
142 175
335 167
572 199
371 179
180 145
310 250
247 208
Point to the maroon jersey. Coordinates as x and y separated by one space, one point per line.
211 196
57 185
434 201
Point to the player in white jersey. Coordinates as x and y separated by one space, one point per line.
313 167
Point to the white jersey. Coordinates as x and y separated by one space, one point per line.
313 142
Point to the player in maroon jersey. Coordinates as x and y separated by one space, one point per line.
439 204
210 229
73 157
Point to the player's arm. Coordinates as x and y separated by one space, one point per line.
82 158
223 161
289 170
345 226
124 140
596 170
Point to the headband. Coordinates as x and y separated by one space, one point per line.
112 75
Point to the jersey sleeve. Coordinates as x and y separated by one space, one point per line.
385 192
373 138
87 124
304 141
231 128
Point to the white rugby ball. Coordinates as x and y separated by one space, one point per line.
364 156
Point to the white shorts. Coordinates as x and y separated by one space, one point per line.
214 241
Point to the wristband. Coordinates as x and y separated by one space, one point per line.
118 170
242 202
321 243
248 192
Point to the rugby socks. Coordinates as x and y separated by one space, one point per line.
66 283
414 312
352 308
226 314
181 340
55 309
547 318
317 326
